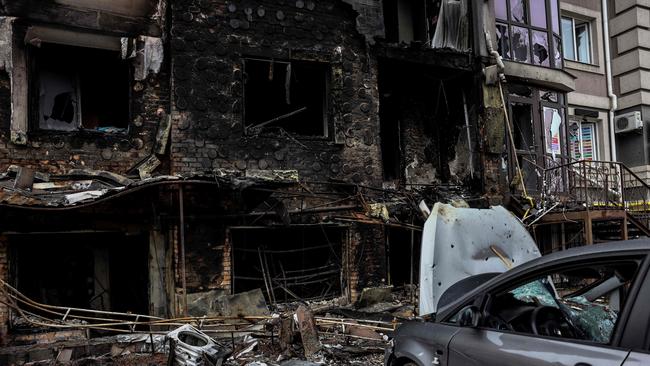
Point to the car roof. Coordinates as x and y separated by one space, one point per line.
584 252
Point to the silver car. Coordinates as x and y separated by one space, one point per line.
587 306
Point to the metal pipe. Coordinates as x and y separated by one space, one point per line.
182 242
469 136
613 106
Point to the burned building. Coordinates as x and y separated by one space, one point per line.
160 152
157 153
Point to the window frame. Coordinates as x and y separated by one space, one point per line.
574 39
33 92
552 37
594 140
327 123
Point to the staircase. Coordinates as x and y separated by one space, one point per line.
601 186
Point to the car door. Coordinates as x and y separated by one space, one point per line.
580 332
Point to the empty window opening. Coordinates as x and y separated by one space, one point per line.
79 88
407 20
288 264
107 271
286 95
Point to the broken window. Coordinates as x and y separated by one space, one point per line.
503 40
78 88
288 264
407 20
286 95
582 140
582 303
576 39
534 37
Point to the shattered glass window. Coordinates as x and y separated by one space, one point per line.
519 90
531 25
549 96
582 303
520 44
503 41
558 51
540 49
519 11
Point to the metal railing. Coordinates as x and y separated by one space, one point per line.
597 185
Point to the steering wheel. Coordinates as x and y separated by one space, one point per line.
550 321
495 322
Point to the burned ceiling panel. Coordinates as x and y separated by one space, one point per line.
370 21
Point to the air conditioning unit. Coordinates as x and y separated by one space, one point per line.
628 122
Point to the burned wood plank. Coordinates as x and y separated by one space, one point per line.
308 331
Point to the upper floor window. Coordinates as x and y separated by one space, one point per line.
76 88
576 39
286 95
528 31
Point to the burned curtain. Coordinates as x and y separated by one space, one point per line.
452 29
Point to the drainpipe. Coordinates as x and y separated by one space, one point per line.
613 100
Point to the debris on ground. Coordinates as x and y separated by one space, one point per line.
219 332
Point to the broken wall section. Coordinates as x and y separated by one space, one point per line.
428 124
210 129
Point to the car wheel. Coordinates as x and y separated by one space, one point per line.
410 364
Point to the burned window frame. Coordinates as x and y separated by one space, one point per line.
327 133
542 158
33 101
553 36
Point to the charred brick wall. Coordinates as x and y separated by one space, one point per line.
209 41
367 258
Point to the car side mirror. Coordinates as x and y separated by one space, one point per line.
469 317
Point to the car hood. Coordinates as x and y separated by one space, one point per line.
461 242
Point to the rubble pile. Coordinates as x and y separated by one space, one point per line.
299 334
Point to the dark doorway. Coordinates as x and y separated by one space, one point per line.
102 271
403 248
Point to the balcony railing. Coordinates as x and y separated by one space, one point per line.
597 185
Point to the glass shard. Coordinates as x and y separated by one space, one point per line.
540 48
520 44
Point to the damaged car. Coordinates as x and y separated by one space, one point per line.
502 306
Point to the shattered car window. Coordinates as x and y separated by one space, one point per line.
579 303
